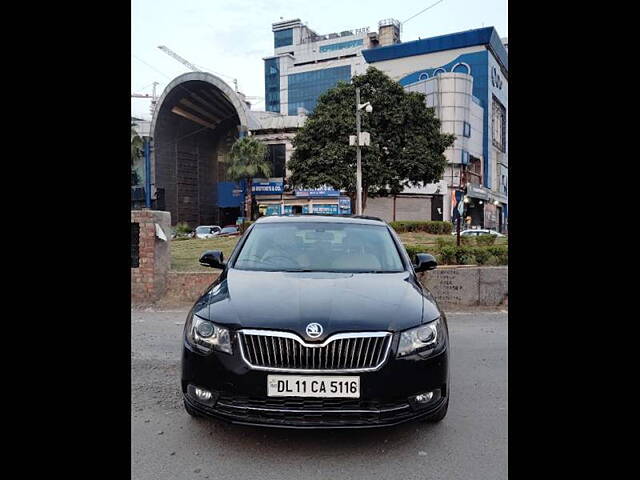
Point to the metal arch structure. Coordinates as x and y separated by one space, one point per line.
197 118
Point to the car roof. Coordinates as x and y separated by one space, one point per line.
362 220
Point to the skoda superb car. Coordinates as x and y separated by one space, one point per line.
317 322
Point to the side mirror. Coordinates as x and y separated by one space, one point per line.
213 259
424 262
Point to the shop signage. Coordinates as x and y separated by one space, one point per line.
476 191
325 191
327 209
344 203
266 188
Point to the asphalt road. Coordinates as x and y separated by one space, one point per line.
470 443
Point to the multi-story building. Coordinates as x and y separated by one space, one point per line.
464 77
305 64
460 72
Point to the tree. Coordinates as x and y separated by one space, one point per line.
407 147
136 153
248 160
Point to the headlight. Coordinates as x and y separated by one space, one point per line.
206 336
423 340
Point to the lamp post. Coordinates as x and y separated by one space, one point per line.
367 106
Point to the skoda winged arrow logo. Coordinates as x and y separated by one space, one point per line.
314 330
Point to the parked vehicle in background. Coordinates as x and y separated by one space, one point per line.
478 231
207 231
229 230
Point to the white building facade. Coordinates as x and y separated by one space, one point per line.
464 75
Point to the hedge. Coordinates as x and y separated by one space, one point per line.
244 225
469 255
450 254
435 227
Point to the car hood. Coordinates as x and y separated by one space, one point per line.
339 302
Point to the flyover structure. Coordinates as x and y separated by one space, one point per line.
197 119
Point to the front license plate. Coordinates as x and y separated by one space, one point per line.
307 386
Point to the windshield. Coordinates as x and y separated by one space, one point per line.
229 230
320 247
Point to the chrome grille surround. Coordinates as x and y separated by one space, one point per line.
277 351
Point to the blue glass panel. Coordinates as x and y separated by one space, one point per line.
340 46
272 85
306 87
283 38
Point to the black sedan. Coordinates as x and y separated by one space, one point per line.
317 322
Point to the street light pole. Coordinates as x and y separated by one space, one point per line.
359 157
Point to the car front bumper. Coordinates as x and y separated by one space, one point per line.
239 393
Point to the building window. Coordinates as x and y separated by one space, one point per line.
277 154
461 68
499 125
272 84
473 171
282 38
465 157
439 71
306 87
423 76
339 46
466 129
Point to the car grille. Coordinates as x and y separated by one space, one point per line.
343 352
312 411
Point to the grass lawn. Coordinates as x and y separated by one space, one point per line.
185 253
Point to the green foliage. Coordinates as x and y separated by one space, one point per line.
182 228
136 153
407 147
486 240
413 249
434 227
248 159
136 145
244 226
470 255
442 242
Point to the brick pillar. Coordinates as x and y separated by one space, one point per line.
149 279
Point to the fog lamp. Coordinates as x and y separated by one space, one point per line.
424 397
202 394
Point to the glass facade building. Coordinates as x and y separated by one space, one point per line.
282 38
305 88
276 157
272 84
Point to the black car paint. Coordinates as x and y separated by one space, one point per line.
341 302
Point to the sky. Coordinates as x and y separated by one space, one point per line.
230 38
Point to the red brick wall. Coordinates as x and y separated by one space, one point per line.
148 280
188 286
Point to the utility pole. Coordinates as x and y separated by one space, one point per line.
359 157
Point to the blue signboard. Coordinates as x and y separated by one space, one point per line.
267 188
327 209
345 205
273 210
230 194
318 192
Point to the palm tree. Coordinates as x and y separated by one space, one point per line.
248 160
136 150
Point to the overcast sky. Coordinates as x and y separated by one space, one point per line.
230 38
